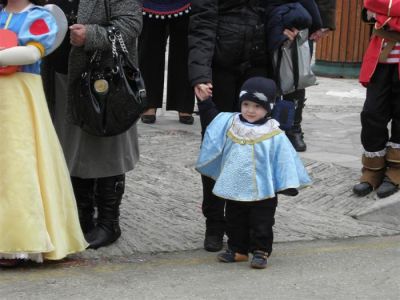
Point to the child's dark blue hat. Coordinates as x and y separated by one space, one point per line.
260 90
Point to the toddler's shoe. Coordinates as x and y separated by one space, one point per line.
229 256
259 260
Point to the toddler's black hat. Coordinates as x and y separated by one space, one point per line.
260 90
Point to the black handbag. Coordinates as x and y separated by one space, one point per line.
109 99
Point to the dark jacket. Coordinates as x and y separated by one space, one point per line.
208 111
308 5
283 14
224 33
290 15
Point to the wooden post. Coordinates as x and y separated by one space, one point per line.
340 54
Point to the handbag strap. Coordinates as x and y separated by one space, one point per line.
295 63
108 13
277 71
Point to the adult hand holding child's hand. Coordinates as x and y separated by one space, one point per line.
203 91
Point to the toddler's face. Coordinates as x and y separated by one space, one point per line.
252 111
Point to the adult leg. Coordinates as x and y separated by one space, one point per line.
391 181
109 191
214 211
295 134
180 95
224 92
84 195
375 117
152 43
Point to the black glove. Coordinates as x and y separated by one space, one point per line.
289 192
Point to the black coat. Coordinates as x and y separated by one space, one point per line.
327 9
223 33
300 15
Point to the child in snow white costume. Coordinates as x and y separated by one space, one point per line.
251 160
380 74
38 215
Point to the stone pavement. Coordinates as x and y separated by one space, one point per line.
161 210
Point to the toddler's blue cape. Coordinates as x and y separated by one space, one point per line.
249 170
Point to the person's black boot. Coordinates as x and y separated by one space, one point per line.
84 195
387 188
391 181
297 140
362 189
373 171
214 210
295 134
213 242
109 193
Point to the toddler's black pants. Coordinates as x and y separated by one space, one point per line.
249 225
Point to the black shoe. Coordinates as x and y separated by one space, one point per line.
259 260
230 256
10 263
148 119
386 188
188 120
213 243
103 235
362 189
297 140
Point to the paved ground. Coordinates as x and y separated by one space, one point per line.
161 210
356 268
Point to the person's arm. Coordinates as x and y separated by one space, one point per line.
208 111
392 22
383 12
389 8
125 15
202 39
327 9
314 11
20 55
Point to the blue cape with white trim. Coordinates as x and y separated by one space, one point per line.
249 170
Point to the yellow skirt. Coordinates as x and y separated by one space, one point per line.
38 213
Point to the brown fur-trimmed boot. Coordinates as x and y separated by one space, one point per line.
373 172
391 181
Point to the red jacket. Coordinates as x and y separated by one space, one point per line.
387 13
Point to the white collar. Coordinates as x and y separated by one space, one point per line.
246 131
